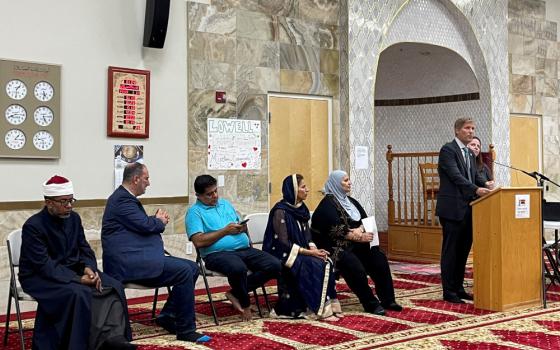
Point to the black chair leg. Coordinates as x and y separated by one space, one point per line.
154 304
214 313
258 303
20 325
6 329
266 298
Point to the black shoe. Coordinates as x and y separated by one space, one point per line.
117 343
392 306
376 310
194 337
465 296
167 323
453 299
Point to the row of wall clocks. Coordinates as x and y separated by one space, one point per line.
31 105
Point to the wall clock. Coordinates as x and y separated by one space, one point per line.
31 105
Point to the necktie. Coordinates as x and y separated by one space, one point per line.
468 163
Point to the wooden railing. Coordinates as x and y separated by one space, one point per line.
406 204
412 202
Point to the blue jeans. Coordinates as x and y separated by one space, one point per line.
181 274
235 266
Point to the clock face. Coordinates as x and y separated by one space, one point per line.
43 116
15 114
15 139
43 140
16 89
43 91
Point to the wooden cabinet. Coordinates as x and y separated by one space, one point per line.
415 243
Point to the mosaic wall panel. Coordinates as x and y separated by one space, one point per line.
482 24
249 48
534 53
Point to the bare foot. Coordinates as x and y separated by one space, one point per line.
234 302
331 318
339 314
246 314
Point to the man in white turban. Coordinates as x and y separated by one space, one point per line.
79 306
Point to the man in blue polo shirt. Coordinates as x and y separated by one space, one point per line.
213 227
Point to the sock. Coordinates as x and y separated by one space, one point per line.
194 337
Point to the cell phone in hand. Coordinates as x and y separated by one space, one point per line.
243 222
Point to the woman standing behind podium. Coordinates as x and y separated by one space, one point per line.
307 282
337 227
476 146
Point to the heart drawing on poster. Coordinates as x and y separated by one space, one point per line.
255 149
244 164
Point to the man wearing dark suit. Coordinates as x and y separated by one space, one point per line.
459 185
133 252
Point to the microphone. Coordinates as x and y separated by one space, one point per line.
534 174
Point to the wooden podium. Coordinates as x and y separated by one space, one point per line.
507 249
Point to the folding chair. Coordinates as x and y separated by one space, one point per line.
551 269
16 292
209 273
132 285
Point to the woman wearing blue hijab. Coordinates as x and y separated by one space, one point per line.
337 227
306 287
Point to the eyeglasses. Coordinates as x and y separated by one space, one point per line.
64 202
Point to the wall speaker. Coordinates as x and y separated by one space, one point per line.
155 23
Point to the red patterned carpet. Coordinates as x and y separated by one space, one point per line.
425 323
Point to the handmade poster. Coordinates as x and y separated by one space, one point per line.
123 155
234 144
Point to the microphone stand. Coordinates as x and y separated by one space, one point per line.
540 178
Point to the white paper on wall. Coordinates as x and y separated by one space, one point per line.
234 144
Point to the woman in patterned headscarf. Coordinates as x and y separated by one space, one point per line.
306 287
337 227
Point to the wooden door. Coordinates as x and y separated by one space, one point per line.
525 148
298 143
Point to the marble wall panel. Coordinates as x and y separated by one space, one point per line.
212 76
329 61
520 103
297 32
551 145
252 188
258 53
516 44
212 47
252 106
529 27
328 36
323 11
533 8
539 66
292 81
522 84
254 25
550 126
202 106
330 85
550 87
523 65
550 68
550 106
552 51
210 19
271 7
295 57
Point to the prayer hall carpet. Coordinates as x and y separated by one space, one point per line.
425 323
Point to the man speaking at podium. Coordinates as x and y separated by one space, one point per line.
459 185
